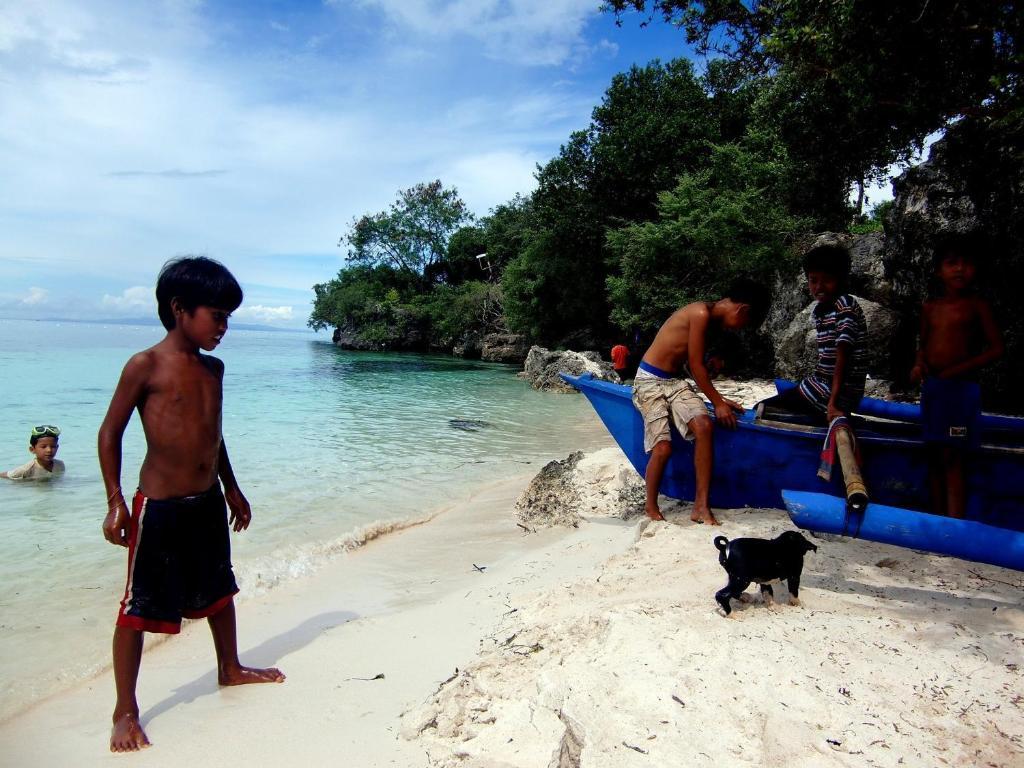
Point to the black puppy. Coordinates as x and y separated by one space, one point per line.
761 560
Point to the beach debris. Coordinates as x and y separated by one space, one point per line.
833 742
527 529
480 568
468 425
378 676
887 562
678 701
844 692
975 574
635 748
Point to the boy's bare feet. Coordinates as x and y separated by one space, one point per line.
704 515
247 675
654 513
127 734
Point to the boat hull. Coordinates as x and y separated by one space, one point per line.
966 539
754 462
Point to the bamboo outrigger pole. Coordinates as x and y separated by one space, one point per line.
856 491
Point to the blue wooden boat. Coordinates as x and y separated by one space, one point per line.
760 458
911 412
967 539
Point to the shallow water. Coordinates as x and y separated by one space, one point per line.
329 446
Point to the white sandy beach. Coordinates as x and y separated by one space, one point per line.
598 645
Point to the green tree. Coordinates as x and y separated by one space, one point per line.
459 263
412 235
653 124
853 87
723 221
507 229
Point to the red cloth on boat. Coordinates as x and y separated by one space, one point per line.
828 450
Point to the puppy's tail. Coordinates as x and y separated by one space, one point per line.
721 542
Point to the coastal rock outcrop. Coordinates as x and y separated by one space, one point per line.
504 348
796 347
789 325
543 366
601 483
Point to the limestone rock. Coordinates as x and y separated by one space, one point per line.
551 497
543 366
598 484
504 348
796 351
469 347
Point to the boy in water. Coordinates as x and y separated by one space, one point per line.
42 444
179 559
660 393
959 336
837 384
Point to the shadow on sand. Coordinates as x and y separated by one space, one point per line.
266 654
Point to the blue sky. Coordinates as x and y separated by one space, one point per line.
255 131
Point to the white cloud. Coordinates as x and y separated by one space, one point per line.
262 314
132 299
35 296
535 32
486 178
131 133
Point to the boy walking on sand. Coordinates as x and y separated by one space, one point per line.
661 394
959 336
179 559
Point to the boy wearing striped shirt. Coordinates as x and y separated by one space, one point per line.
837 384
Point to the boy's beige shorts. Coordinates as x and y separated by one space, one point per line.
659 399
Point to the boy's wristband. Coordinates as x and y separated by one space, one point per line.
110 498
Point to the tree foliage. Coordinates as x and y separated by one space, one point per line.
853 87
412 235
653 123
726 220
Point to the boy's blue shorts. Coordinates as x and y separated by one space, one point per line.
950 411
179 561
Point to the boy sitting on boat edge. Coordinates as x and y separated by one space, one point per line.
661 394
837 384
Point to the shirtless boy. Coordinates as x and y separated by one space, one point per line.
661 393
959 336
179 559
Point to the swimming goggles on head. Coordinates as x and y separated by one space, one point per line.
45 430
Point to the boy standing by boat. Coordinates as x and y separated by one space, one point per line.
959 336
661 394
837 384
179 559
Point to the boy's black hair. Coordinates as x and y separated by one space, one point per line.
33 439
195 281
966 244
743 290
832 260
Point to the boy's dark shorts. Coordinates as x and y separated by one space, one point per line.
950 411
179 561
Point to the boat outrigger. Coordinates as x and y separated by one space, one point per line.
763 457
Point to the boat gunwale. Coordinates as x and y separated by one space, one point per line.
783 428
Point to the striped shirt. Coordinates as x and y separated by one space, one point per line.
841 322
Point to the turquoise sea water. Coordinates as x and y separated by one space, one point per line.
326 445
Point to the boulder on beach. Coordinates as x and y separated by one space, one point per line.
598 484
543 366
